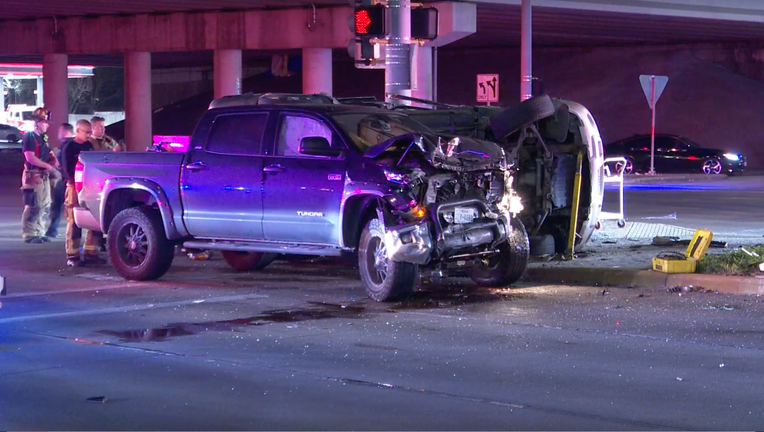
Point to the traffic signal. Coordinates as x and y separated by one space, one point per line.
371 21
424 23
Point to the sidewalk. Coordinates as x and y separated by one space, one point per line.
623 258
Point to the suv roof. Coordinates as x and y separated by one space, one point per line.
249 99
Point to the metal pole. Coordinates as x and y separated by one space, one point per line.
570 250
526 42
435 74
652 128
397 58
2 99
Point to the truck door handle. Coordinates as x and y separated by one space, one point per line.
273 168
196 166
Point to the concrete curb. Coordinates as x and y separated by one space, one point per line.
645 279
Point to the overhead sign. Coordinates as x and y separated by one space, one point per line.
488 88
653 81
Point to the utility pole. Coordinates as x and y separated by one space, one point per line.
397 53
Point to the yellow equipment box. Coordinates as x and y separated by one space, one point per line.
669 262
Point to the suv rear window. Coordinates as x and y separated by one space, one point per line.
237 134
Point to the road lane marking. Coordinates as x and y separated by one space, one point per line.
132 308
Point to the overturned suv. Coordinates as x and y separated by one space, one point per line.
450 207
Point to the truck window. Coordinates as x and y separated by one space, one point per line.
237 134
294 128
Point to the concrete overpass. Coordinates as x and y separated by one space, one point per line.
142 33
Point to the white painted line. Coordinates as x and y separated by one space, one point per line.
132 308
81 290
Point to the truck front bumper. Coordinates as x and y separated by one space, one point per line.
428 240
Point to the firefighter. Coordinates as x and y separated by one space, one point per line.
58 187
70 152
39 166
101 141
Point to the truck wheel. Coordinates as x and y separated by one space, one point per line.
383 279
246 261
508 266
523 114
138 246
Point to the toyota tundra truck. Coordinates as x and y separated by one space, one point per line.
261 179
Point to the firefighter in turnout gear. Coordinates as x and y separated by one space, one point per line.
70 153
99 139
39 166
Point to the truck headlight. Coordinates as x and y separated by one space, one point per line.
732 156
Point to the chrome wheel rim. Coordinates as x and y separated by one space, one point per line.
133 245
712 167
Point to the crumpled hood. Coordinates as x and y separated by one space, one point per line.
470 155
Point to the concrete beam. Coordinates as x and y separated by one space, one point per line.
185 31
727 10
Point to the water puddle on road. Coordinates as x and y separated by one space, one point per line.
322 312
422 300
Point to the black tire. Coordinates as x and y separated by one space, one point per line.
246 261
508 266
628 168
138 246
542 245
526 113
383 280
13 139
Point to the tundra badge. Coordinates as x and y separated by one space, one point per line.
310 214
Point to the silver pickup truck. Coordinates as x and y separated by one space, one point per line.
264 177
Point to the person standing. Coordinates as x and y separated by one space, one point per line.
58 186
70 152
39 165
101 141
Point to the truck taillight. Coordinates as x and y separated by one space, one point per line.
78 176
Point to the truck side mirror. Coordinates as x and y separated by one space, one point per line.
318 146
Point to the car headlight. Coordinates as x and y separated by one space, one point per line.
396 177
732 156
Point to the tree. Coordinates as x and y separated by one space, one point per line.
81 96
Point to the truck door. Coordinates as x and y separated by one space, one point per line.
221 184
302 193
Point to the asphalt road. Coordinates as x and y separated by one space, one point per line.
725 205
299 346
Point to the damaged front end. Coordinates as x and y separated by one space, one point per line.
452 198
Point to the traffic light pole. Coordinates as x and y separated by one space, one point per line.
397 54
526 63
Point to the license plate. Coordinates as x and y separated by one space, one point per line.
465 215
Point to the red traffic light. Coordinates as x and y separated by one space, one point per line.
371 21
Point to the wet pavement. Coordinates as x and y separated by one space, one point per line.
299 346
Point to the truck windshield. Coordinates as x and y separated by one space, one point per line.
369 129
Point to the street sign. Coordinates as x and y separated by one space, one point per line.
660 85
488 88
653 86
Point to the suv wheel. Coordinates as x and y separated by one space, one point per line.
383 279
246 261
137 244
508 266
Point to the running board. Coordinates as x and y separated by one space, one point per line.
272 247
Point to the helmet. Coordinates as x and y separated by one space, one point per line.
41 114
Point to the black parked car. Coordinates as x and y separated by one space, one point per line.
674 153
